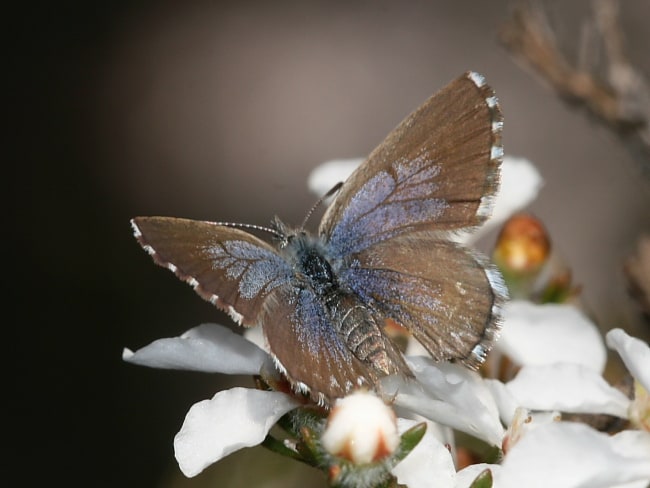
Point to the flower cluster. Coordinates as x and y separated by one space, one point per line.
539 414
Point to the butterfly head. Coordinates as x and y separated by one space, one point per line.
282 233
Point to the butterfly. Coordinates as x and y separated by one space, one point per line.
384 251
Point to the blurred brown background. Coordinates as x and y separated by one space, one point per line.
219 111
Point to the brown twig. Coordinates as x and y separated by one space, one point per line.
620 98
637 275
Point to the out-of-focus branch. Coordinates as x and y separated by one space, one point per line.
620 98
637 274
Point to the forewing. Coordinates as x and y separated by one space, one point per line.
438 170
226 266
447 296
308 349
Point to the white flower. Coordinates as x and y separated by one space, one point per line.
361 428
209 348
323 178
431 464
448 394
636 357
560 353
552 453
576 388
567 387
551 333
548 453
232 419
571 455
634 352
241 417
430 460
539 449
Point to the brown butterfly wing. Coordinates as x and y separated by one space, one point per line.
438 170
228 267
249 279
447 296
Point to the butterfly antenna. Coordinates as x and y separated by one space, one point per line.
277 234
331 192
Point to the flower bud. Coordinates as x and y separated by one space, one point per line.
361 428
531 270
523 245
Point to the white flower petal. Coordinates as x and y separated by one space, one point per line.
569 455
430 460
323 178
256 336
635 354
231 420
504 399
209 348
631 443
568 388
451 395
632 484
552 333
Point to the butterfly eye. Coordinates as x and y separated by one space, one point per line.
285 240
